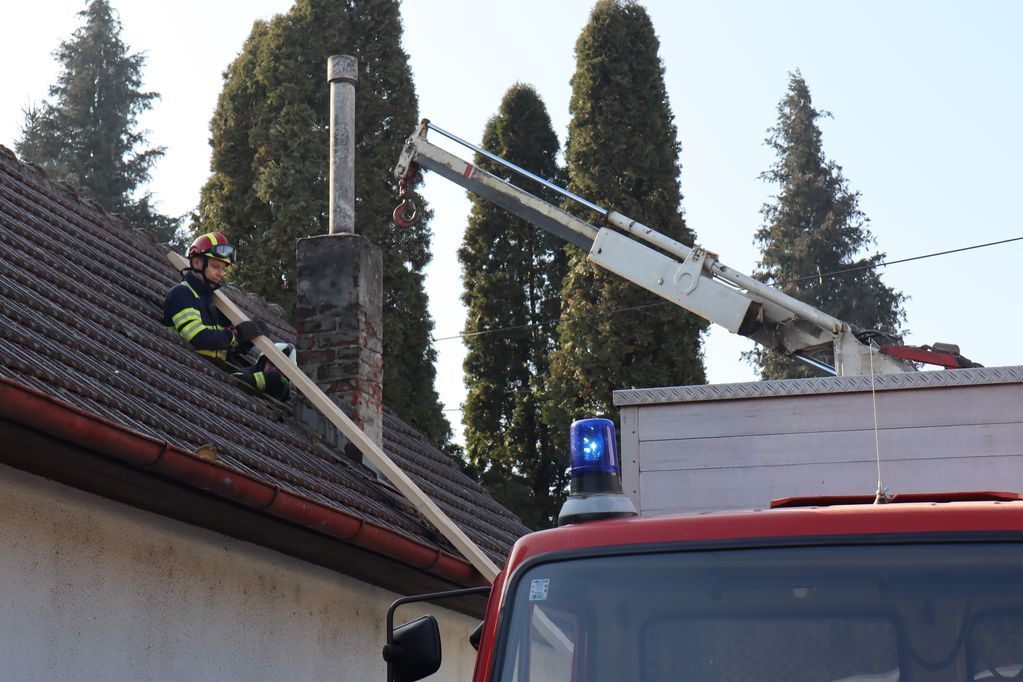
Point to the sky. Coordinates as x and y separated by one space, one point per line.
925 100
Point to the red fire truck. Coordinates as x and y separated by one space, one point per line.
872 588
925 587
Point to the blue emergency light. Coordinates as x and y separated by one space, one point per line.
596 489
593 447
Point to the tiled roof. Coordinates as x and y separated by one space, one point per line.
81 296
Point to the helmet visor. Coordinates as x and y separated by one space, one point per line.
225 252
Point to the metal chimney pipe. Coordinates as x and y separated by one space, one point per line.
343 75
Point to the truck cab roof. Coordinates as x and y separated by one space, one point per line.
791 520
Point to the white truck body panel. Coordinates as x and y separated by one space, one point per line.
738 446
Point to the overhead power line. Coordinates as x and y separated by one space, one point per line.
901 260
820 275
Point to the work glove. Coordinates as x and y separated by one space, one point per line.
248 330
261 363
277 386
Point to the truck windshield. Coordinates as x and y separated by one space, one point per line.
878 612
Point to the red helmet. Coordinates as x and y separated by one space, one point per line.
213 245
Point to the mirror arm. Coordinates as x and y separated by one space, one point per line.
432 596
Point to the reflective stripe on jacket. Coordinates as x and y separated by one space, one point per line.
189 310
273 384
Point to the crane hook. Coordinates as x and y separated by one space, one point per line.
406 212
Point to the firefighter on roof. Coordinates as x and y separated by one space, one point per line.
189 310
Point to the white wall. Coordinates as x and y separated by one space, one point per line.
92 589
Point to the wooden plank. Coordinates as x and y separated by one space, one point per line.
965 442
420 500
667 492
832 412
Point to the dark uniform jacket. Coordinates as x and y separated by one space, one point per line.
189 311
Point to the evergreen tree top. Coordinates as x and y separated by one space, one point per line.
623 145
521 132
814 225
87 134
814 198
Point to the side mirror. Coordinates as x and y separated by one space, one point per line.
476 635
414 650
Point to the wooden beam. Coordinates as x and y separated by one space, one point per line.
412 492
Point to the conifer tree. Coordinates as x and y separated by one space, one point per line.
622 154
512 279
814 226
270 139
87 134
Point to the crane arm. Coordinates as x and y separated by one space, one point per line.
692 278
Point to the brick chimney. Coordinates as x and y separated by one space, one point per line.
339 316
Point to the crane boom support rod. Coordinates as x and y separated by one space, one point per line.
518 169
698 281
